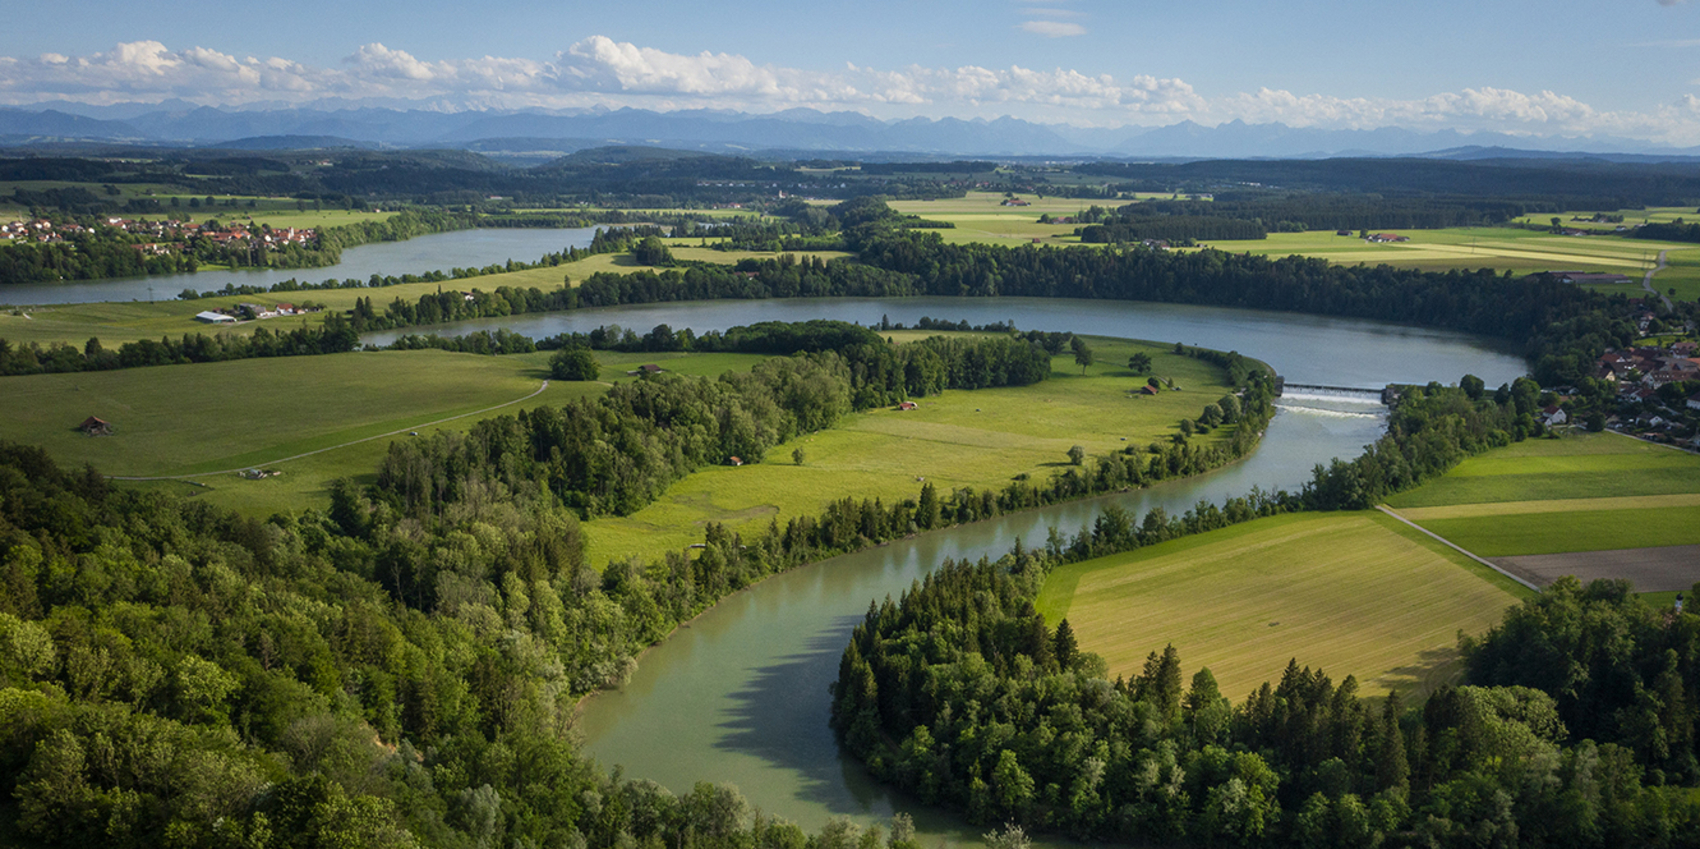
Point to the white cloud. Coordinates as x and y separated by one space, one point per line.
601 71
1053 29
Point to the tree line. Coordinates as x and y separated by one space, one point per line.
172 674
1575 729
395 668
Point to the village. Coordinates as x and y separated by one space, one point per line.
1657 390
169 235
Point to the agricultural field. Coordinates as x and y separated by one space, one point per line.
214 417
1576 219
1601 497
209 420
1352 593
981 218
960 438
1500 248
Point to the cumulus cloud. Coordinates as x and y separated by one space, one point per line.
1053 29
601 71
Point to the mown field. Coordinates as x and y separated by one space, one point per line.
218 417
1584 492
179 420
981 217
981 439
1351 593
1499 248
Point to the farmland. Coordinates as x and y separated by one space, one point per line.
196 419
960 438
1351 593
1601 493
190 419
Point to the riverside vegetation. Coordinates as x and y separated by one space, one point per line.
401 666
961 692
448 615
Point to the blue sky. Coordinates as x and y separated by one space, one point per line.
1564 67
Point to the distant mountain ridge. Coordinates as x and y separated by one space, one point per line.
179 123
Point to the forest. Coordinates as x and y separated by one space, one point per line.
399 668
1575 727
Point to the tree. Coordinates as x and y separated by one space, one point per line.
1230 406
798 456
1140 363
652 251
1082 353
1473 386
1076 455
573 364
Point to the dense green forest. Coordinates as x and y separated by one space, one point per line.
173 675
399 667
1575 730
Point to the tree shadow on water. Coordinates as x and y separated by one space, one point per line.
781 717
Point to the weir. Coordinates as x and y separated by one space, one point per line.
1386 395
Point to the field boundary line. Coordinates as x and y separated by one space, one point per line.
534 394
1456 547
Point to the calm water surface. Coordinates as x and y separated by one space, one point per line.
436 252
740 695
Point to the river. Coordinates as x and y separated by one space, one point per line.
435 252
740 694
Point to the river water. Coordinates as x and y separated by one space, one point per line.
436 252
740 694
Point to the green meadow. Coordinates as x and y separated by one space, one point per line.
214 417
316 419
1350 593
979 438
1582 492
1579 465
981 217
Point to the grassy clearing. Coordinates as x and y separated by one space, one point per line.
176 420
1499 248
1602 465
981 217
979 439
1560 505
1682 273
1352 593
1577 530
1585 492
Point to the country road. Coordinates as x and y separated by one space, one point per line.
1647 281
333 447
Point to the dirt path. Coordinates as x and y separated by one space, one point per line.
1647 281
411 429
1521 579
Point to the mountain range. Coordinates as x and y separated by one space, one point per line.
541 135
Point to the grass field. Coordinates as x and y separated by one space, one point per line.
1499 248
176 420
1351 593
981 217
1576 530
1584 492
1599 465
979 439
